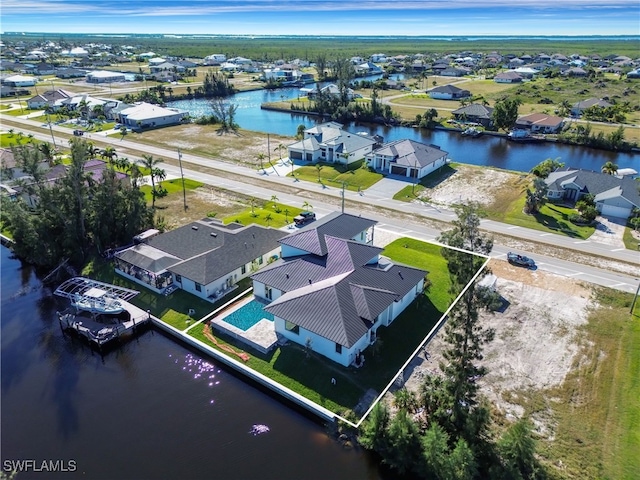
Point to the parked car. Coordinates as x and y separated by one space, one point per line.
78 133
520 260
304 218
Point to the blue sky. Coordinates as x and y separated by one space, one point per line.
324 17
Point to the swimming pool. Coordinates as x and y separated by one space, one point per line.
247 316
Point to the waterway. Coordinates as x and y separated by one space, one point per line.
485 150
151 409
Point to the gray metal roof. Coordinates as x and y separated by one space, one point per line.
410 153
474 110
147 257
311 238
337 296
600 185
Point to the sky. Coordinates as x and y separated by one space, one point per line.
324 17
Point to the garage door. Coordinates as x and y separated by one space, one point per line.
613 211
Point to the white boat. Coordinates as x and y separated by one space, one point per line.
472 132
104 304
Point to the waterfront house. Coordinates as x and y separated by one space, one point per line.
448 92
105 76
205 257
540 123
146 115
328 142
407 158
614 196
508 77
474 112
332 290
19 81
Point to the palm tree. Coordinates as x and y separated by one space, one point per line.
260 157
274 199
252 203
609 168
48 152
151 164
307 206
92 150
268 219
279 149
318 168
286 215
109 153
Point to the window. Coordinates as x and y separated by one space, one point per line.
268 293
292 327
198 287
179 278
260 260
338 349
243 269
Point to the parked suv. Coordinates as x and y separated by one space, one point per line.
304 217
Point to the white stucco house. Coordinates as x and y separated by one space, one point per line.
408 158
147 115
448 92
614 196
105 76
331 291
328 142
205 257
19 81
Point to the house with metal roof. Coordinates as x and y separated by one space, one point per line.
205 257
614 196
407 158
331 290
328 142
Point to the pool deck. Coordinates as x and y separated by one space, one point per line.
261 336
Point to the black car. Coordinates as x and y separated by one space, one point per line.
520 260
304 218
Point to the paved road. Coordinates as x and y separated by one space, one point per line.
379 196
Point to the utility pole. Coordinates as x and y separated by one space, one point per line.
633 304
343 185
184 191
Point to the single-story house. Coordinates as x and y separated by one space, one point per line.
508 77
540 122
526 72
455 72
166 66
104 76
408 158
448 92
70 73
474 112
215 59
7 91
578 107
147 115
205 257
19 81
331 290
331 89
327 142
48 98
575 72
634 73
614 196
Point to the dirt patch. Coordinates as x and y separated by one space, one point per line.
535 335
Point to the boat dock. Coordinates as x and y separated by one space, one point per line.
99 311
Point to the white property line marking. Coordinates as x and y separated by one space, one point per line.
619 285
574 274
583 241
618 249
512 228
546 234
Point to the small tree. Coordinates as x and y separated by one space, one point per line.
609 168
276 207
536 197
318 168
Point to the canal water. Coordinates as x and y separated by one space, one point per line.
485 150
152 409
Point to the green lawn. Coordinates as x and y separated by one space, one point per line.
355 177
267 214
551 218
413 191
629 241
172 186
310 374
8 140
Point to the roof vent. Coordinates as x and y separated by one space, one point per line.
213 234
245 244
194 227
286 275
400 273
310 282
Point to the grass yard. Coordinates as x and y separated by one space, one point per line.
310 374
267 214
413 191
596 411
173 186
631 242
356 177
8 140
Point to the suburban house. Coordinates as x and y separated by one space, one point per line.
19 81
147 115
614 196
215 59
408 158
327 142
332 290
578 107
331 89
205 257
105 76
474 112
48 99
508 77
540 122
448 92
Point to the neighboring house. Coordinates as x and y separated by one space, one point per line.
147 115
331 89
575 72
9 168
19 81
578 107
449 92
614 196
526 72
205 257
327 142
474 112
215 59
105 76
368 68
331 291
508 77
540 122
408 158
166 66
455 72
70 73
48 99
6 91
634 73
378 58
